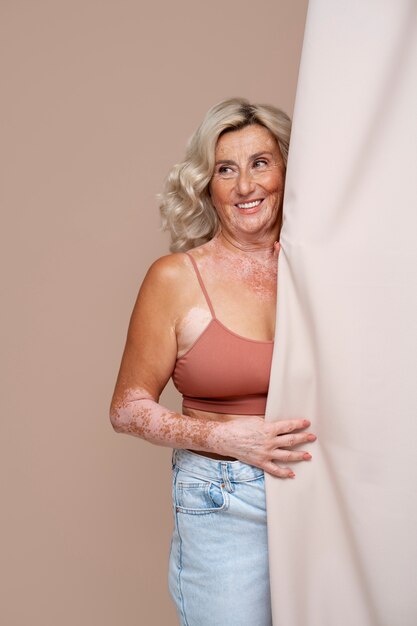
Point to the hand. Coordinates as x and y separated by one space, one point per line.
264 444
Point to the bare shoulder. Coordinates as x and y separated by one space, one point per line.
169 269
168 279
173 275
168 292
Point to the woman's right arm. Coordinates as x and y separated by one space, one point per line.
147 364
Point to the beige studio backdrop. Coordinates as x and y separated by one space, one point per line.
98 100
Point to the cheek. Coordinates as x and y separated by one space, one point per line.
275 184
219 194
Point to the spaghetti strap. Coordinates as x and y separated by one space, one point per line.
200 280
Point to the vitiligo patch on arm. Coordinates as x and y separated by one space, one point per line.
137 413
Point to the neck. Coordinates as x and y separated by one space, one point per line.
264 248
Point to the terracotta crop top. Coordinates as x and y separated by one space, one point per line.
224 372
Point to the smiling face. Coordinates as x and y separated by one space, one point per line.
247 186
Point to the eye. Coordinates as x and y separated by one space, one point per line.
260 163
226 171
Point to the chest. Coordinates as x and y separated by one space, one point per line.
239 308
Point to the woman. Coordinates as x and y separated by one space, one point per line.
205 316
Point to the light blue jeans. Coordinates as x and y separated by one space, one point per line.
218 563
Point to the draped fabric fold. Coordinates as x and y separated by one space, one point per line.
343 533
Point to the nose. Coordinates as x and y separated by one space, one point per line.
244 183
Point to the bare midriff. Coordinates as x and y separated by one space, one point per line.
221 417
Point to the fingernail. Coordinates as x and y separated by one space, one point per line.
307 456
311 437
291 475
306 423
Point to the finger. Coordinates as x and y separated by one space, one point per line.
288 426
288 456
278 470
293 439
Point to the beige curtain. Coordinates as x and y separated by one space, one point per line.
343 533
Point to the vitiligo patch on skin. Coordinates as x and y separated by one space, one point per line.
137 413
255 271
190 328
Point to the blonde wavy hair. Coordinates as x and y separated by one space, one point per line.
185 205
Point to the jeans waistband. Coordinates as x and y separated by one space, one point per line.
214 469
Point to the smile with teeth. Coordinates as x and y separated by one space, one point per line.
249 205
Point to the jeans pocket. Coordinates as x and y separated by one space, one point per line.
197 496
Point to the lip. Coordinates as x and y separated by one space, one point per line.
255 209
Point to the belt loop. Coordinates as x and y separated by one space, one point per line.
225 477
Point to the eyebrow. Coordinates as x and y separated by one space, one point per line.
252 156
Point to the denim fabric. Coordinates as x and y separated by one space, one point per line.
218 563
